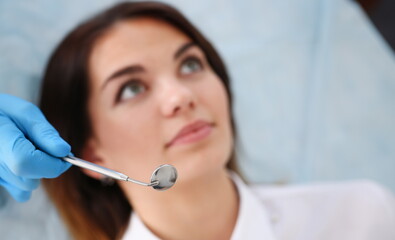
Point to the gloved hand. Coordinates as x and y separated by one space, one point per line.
29 147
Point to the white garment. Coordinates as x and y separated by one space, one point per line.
354 210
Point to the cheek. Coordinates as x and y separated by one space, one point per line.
221 111
224 117
129 142
218 103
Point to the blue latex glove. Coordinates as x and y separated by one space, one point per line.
29 147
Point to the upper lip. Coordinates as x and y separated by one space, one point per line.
188 129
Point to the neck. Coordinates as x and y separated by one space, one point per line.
204 208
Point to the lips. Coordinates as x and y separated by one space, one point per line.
191 133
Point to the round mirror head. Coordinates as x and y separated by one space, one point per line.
165 176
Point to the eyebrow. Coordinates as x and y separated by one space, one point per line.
183 48
138 68
123 71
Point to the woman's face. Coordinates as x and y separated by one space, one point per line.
154 99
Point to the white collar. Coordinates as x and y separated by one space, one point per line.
252 221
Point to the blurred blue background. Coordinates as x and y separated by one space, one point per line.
313 82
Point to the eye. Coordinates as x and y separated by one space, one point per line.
130 90
191 65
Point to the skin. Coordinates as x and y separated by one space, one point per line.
131 133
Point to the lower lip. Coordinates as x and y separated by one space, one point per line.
195 136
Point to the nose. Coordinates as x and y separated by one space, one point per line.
176 99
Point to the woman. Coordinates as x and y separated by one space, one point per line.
129 82
138 86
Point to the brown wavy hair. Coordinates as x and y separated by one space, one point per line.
89 209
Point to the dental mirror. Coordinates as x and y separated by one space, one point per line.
165 176
162 178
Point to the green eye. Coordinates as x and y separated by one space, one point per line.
191 65
130 90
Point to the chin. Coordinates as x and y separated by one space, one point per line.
198 161
200 164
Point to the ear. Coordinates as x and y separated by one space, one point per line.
89 153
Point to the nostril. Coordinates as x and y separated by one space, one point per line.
191 104
178 103
176 109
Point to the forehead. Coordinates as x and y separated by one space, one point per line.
136 38
133 41
142 30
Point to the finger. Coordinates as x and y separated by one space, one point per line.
46 138
34 125
19 182
22 157
47 165
17 194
